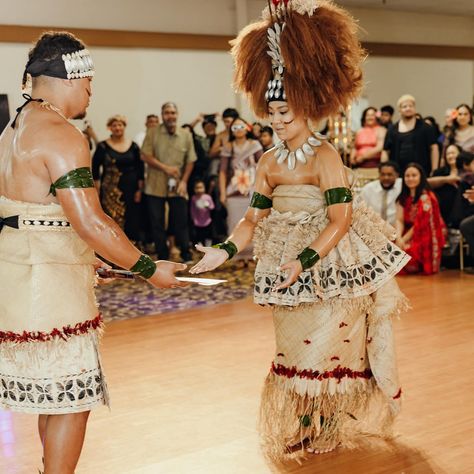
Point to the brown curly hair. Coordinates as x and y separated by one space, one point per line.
323 59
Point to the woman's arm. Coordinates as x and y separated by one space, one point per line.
335 186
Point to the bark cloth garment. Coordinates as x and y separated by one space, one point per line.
334 374
49 321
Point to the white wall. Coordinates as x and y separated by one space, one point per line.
135 82
437 84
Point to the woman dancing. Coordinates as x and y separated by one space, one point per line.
325 261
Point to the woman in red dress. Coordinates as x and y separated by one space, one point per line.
420 227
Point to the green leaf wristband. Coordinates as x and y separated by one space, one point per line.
145 267
228 246
308 257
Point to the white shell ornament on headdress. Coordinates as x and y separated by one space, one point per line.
78 64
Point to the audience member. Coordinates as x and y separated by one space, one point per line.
467 226
411 140
431 121
237 173
462 208
201 207
420 227
266 138
151 121
445 181
170 156
462 132
386 114
219 213
201 165
118 173
257 130
222 139
369 141
381 195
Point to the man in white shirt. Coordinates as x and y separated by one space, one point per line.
381 195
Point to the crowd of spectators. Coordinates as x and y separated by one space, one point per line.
173 186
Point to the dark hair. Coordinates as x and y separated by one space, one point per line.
250 135
424 185
464 159
455 121
434 124
51 46
149 116
387 108
229 112
169 104
210 118
364 114
190 128
390 164
267 129
197 181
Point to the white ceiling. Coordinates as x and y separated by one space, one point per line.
447 7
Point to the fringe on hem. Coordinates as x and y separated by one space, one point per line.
289 422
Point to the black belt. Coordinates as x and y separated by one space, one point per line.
11 221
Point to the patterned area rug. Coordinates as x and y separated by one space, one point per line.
125 299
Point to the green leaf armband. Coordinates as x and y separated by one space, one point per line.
260 201
78 178
228 246
145 267
337 196
308 257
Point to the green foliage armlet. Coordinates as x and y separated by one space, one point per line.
229 247
308 257
260 201
145 267
337 196
78 178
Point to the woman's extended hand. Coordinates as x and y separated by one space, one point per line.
212 259
293 270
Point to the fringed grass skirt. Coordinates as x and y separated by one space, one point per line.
321 390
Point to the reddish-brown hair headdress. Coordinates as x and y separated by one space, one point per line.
305 52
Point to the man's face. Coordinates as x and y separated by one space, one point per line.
170 116
407 109
81 90
152 122
387 177
266 139
385 118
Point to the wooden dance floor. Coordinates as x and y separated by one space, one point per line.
185 392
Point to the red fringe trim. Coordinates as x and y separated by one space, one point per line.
338 373
64 333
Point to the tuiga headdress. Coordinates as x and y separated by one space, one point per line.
305 52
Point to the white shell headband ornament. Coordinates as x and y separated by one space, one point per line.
78 64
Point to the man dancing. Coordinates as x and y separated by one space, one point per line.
51 223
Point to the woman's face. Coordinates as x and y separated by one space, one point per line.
239 129
412 178
463 117
452 153
284 122
370 118
117 129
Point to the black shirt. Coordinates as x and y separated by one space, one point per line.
414 145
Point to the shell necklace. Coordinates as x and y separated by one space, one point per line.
282 152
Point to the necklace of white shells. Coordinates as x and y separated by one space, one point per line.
282 152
